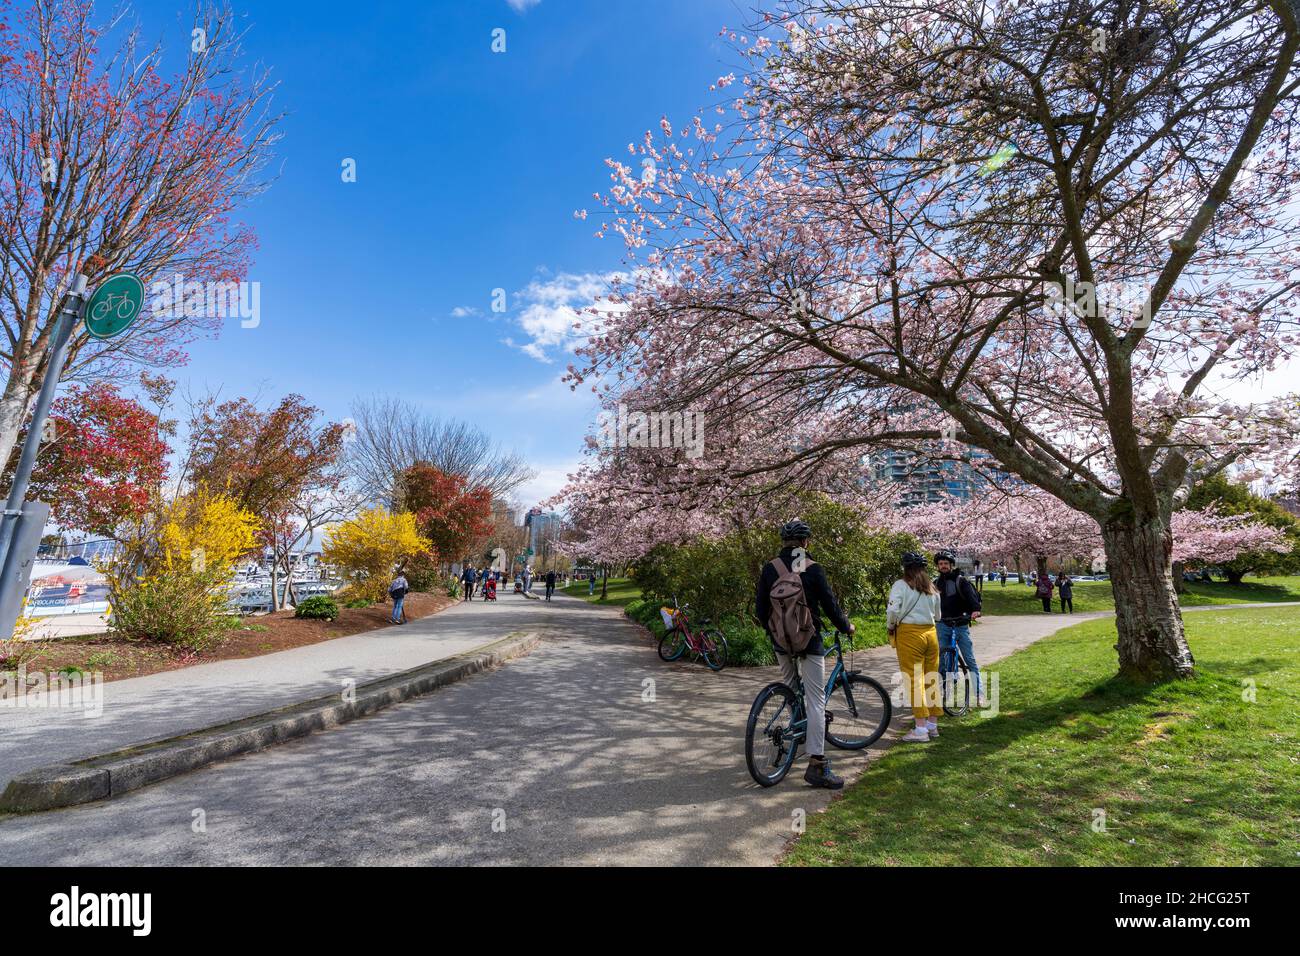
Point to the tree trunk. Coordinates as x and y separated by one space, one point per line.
1180 585
1234 577
1152 645
1041 561
604 581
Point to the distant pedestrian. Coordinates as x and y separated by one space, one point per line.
1004 575
397 591
1065 587
550 584
528 578
1043 588
467 580
979 576
591 583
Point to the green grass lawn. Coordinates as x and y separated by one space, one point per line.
1096 595
1187 773
621 592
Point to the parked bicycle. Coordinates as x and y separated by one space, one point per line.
954 680
708 644
858 710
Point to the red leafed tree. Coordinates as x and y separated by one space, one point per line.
281 463
107 165
104 454
447 511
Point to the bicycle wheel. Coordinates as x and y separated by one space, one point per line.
861 712
673 644
714 649
770 739
954 684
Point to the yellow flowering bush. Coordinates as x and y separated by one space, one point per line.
369 546
168 581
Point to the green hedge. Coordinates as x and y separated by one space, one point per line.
717 577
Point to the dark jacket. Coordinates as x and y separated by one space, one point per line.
1067 588
817 591
550 579
468 575
957 597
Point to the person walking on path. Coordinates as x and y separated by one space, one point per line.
397 591
1043 588
979 576
1065 587
467 579
791 565
591 583
959 604
528 578
550 584
909 617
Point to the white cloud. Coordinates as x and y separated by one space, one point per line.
464 311
549 480
522 6
553 306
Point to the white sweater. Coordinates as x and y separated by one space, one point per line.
901 597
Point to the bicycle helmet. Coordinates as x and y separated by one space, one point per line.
945 555
913 560
795 530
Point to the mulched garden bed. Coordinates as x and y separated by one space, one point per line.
118 658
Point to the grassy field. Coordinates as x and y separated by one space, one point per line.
621 592
1096 595
1187 773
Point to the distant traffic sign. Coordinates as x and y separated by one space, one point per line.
114 306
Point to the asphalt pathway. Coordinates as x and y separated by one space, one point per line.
589 751
175 702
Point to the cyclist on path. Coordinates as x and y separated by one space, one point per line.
795 536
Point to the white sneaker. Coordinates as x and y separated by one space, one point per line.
916 735
932 730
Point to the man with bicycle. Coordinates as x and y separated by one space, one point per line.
959 604
795 536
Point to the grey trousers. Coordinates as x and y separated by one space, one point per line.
813 671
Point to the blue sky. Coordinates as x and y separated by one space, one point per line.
470 165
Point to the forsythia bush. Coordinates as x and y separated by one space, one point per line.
368 547
168 581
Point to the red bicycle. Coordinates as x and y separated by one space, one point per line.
708 644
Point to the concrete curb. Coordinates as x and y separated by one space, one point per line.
109 775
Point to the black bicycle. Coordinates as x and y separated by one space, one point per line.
857 712
955 684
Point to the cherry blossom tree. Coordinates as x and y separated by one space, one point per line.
106 165
1053 231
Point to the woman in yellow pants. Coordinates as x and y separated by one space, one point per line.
910 615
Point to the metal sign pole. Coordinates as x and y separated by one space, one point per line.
69 316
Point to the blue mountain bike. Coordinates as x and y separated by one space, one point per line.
857 712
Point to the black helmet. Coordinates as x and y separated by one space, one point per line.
795 530
912 559
945 555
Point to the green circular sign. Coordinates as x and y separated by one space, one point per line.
114 306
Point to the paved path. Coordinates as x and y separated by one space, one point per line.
560 749
172 702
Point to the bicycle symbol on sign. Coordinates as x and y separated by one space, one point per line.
120 304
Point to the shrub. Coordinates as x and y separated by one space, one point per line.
318 608
370 545
168 580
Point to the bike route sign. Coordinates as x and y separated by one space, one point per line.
114 306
